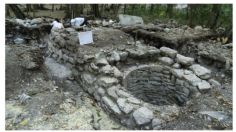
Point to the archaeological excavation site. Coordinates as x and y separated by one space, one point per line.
120 73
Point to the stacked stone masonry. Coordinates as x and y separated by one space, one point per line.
140 86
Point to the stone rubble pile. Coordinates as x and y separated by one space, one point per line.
20 31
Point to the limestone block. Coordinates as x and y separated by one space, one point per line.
166 60
168 52
143 116
111 105
124 106
201 71
184 60
107 81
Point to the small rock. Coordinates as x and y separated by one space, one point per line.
112 92
156 123
123 55
101 62
166 60
184 60
167 30
115 56
204 85
215 115
178 72
111 105
88 78
134 100
192 78
100 59
201 71
107 81
126 20
143 116
101 91
198 28
107 69
168 51
105 23
36 21
214 83
23 98
187 72
117 72
125 107
123 94
176 65
19 41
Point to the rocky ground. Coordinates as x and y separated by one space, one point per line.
46 98
34 101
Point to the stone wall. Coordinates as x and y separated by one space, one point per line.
140 86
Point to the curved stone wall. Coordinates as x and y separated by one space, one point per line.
153 85
139 85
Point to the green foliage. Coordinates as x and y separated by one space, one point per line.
200 14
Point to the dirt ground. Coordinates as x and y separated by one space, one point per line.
49 106
35 100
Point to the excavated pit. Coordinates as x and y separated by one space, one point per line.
131 81
150 85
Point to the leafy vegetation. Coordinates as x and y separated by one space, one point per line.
208 15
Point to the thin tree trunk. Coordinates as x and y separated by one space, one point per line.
7 10
133 7
192 8
151 8
169 11
52 7
16 10
95 10
215 13
124 8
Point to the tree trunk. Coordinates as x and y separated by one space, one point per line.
52 7
115 8
169 11
16 10
124 8
192 8
133 7
215 13
187 12
77 10
41 6
151 8
7 11
68 11
95 10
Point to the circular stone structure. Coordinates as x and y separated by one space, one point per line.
138 85
154 86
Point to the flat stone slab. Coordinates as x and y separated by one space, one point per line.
215 115
168 51
184 60
203 85
143 116
192 78
111 105
107 81
130 20
166 60
201 71
124 106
